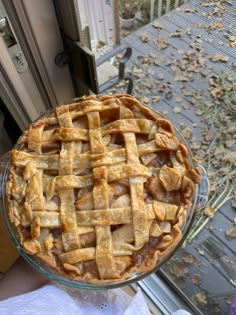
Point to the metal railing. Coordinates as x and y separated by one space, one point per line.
161 7
102 21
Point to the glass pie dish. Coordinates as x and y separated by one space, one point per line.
198 200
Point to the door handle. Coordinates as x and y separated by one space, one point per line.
13 47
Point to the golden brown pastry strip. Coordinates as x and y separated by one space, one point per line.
140 220
104 251
87 160
159 210
34 191
75 256
34 137
104 216
119 126
70 235
114 174
95 136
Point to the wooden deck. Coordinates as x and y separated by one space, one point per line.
151 66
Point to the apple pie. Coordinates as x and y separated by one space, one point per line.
100 188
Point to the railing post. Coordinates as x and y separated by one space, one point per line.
159 14
152 4
176 3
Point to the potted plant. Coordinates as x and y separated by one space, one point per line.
128 9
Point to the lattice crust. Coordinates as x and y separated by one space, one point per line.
99 189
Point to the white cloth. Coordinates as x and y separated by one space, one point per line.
56 300
50 299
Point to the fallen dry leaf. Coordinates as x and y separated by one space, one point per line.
230 158
196 279
199 299
186 106
152 55
209 212
218 57
144 37
188 258
208 135
156 99
144 99
161 43
232 39
231 233
161 87
187 133
187 10
176 109
216 92
179 269
157 63
216 26
182 77
157 25
168 95
178 99
180 32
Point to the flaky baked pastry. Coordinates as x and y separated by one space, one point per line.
100 188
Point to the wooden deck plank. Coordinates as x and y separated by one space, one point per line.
170 52
209 271
197 4
171 25
218 39
186 117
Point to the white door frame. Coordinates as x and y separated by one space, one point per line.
13 92
36 28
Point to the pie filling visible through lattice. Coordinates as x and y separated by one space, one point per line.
99 189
